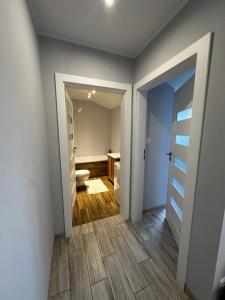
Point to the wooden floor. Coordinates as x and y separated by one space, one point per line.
89 208
112 259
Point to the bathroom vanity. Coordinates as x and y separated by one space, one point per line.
112 158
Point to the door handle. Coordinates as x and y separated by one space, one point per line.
169 154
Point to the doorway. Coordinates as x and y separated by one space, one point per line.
169 112
95 158
63 82
195 55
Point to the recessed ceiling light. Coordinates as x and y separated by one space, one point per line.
109 3
93 92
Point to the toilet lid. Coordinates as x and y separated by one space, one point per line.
82 173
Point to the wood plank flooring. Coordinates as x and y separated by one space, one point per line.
110 259
89 208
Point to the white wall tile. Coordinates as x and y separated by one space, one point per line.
115 129
96 129
91 128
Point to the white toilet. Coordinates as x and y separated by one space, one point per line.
81 176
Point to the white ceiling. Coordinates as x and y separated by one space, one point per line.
109 100
126 28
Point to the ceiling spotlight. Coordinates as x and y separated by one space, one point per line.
109 3
93 92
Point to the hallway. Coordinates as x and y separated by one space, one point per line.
111 259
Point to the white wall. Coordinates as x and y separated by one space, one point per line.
159 124
91 128
195 20
115 129
63 57
26 230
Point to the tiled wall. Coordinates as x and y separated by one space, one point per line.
115 130
91 128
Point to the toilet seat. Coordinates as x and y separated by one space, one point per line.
80 173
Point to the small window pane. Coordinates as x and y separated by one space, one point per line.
176 207
184 114
182 140
180 164
178 186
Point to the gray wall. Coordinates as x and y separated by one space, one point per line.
26 231
159 123
63 57
195 20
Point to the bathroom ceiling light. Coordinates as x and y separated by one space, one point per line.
109 3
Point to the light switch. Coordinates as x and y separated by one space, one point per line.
148 141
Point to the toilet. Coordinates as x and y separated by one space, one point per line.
81 176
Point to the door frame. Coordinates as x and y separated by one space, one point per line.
201 51
126 111
67 98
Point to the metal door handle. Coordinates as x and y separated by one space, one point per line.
170 155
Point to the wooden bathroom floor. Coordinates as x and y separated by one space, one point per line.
111 259
89 208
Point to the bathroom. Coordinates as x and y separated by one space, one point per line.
95 141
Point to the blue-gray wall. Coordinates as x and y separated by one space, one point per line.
195 20
159 123
26 229
64 57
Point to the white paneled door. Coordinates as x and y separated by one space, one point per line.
182 115
71 148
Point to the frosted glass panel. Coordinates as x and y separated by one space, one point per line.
178 186
180 164
182 140
176 208
184 114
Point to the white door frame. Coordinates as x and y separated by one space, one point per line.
201 50
126 112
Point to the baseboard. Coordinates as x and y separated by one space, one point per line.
189 293
149 210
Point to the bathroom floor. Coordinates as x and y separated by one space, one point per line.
112 259
91 206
